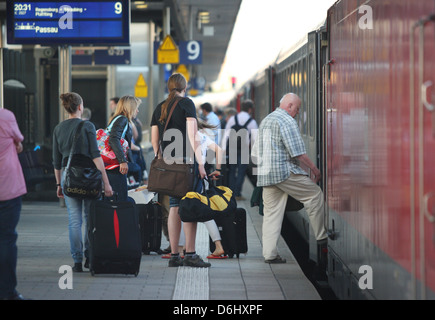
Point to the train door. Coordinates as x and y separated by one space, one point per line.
424 155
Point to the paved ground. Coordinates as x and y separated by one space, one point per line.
44 247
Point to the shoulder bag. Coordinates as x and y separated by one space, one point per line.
106 151
174 179
81 182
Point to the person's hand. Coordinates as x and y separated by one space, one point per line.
19 147
316 175
123 168
59 192
108 192
215 175
202 172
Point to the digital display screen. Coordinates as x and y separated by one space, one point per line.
68 22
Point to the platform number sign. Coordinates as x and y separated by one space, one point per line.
190 52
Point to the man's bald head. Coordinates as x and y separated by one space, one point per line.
291 103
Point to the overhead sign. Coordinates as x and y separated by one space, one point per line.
112 56
168 52
190 52
68 22
141 87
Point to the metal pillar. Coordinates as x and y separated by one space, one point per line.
65 80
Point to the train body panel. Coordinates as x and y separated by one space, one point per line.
380 143
368 122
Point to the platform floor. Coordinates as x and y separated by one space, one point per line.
43 247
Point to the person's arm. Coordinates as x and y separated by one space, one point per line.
155 137
57 175
307 161
192 129
115 143
219 157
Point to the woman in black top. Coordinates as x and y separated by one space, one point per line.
181 132
63 136
126 109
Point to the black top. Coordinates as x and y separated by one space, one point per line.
176 133
115 136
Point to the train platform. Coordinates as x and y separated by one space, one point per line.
43 248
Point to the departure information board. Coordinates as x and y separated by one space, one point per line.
68 22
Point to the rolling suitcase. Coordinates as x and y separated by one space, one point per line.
114 237
232 229
150 220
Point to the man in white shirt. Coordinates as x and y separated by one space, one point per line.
212 119
238 156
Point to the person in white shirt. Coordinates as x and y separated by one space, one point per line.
238 160
213 120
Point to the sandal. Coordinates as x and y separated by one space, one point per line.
222 256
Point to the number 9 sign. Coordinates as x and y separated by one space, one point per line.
190 52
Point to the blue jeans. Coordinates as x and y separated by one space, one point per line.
76 219
9 216
118 182
236 176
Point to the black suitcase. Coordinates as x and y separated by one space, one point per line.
232 229
150 220
114 238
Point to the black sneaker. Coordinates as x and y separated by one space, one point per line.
195 261
278 259
15 296
175 262
77 267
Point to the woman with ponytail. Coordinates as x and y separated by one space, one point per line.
179 142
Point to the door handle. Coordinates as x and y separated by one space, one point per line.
427 212
429 106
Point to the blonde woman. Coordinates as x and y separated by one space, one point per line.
126 109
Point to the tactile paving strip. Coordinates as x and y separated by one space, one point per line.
193 283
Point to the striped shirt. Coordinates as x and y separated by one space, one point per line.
278 144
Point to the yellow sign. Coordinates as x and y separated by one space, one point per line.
168 52
141 88
183 70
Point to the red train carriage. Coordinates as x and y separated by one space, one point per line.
380 149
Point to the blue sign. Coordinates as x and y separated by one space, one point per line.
190 51
68 22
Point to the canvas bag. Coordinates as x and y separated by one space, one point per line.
174 179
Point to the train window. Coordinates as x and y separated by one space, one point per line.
312 95
306 114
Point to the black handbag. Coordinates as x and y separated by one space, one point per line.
81 182
170 179
206 205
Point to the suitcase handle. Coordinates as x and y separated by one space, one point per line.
112 198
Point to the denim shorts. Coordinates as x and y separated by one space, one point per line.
174 202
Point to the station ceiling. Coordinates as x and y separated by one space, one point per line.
209 21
